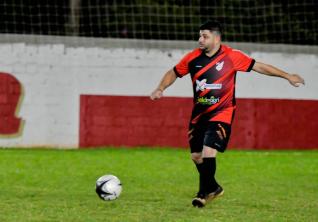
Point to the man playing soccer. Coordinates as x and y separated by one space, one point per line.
213 68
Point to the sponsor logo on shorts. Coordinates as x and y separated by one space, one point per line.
208 101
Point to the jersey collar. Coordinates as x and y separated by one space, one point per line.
215 54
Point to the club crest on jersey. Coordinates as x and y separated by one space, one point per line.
219 66
202 85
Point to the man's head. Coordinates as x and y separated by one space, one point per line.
210 35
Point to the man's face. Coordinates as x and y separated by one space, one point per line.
208 40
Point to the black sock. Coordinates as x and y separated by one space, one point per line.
201 177
208 171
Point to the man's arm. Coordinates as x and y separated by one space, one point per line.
165 82
270 70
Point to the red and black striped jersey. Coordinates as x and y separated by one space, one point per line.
213 80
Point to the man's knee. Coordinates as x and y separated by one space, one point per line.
197 157
209 152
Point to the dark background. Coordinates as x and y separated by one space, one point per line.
265 21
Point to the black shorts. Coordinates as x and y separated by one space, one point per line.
212 134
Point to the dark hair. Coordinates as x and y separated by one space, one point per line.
213 26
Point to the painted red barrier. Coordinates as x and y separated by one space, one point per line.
138 121
10 94
275 124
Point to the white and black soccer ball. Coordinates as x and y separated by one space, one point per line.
108 187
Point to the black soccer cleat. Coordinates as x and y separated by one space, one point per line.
217 193
201 200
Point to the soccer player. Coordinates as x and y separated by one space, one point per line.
213 68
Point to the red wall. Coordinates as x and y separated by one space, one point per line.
10 93
138 121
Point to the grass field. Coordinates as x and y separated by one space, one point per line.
158 185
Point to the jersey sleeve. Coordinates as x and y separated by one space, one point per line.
241 61
182 68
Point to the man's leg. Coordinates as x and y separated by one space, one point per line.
196 137
209 188
209 168
206 166
215 139
198 161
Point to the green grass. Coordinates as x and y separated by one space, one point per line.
158 185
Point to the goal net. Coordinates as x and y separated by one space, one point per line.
262 21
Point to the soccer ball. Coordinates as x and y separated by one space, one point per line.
108 187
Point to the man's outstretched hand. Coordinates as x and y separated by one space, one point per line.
157 94
296 80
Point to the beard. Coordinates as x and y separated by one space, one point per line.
204 48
